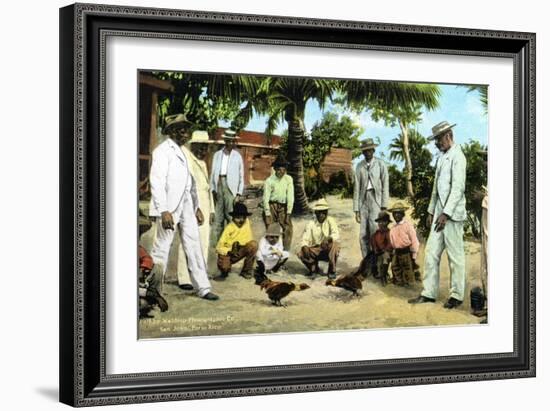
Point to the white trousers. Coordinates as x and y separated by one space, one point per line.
188 229
183 269
452 240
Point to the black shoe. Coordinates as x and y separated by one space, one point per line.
220 277
452 303
186 287
210 297
421 300
331 276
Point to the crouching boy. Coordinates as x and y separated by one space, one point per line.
236 243
271 255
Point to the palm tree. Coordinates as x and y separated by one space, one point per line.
397 104
483 94
285 99
417 147
206 98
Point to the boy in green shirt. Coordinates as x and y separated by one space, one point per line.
278 200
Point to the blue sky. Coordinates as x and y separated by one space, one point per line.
456 105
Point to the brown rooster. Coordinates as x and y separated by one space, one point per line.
277 290
348 282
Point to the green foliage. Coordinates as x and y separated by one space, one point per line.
206 99
331 131
397 182
423 178
476 179
483 95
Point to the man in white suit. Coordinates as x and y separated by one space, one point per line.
196 156
448 206
370 193
226 182
174 199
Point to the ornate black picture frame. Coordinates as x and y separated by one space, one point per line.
83 30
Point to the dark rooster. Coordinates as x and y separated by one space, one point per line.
348 282
277 290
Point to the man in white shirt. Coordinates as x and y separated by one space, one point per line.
320 241
226 183
174 199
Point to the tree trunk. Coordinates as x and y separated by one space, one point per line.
296 165
407 155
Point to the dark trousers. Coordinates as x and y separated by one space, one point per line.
310 256
279 215
402 267
247 251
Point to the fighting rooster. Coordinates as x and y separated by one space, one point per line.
277 290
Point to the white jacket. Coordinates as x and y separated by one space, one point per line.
169 178
235 172
449 185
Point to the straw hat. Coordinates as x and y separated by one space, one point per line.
439 129
321 205
199 136
175 121
399 206
273 230
229 135
368 144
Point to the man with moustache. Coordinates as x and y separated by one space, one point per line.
174 204
448 206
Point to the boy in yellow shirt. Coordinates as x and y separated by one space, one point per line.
236 243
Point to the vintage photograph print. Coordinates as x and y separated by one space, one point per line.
273 204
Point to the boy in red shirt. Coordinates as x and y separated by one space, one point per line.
381 246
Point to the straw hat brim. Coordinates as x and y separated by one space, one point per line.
392 210
435 136
176 124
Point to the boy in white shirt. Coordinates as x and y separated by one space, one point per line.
271 255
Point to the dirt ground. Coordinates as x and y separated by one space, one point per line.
243 308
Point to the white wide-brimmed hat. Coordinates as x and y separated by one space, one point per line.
199 136
321 205
440 128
